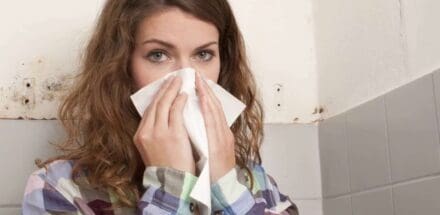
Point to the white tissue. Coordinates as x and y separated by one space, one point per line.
194 123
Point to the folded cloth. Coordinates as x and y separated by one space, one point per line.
194 123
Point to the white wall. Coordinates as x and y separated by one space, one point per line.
367 48
41 43
279 37
379 145
422 32
330 54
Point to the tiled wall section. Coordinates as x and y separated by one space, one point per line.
383 157
290 154
21 142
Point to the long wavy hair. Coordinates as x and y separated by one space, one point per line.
99 117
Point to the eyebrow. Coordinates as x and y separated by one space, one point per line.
171 46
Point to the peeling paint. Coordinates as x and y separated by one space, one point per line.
53 84
279 97
318 110
34 92
315 111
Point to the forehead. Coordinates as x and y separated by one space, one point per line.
176 26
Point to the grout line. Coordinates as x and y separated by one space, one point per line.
347 153
435 108
318 128
347 148
388 148
386 186
351 205
393 201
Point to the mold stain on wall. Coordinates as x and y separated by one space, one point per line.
35 91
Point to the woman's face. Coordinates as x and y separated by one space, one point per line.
171 40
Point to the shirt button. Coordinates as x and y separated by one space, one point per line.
191 207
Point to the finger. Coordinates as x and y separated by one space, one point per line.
217 104
210 92
201 94
221 124
227 135
148 117
209 111
176 110
165 102
212 101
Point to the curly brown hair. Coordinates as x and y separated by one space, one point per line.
99 117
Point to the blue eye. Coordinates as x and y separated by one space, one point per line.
157 56
206 55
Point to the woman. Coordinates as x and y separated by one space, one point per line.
116 162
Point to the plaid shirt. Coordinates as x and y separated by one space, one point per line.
53 191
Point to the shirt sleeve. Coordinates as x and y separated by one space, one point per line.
41 196
167 191
229 196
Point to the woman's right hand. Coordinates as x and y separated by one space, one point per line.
161 137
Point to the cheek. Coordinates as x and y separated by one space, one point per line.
211 70
138 73
214 72
141 72
144 72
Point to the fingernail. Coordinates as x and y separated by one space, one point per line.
167 82
197 75
202 76
171 78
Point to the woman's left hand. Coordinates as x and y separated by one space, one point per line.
220 137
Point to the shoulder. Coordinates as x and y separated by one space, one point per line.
51 188
261 179
265 188
56 171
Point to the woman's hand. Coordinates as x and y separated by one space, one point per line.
220 137
161 137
